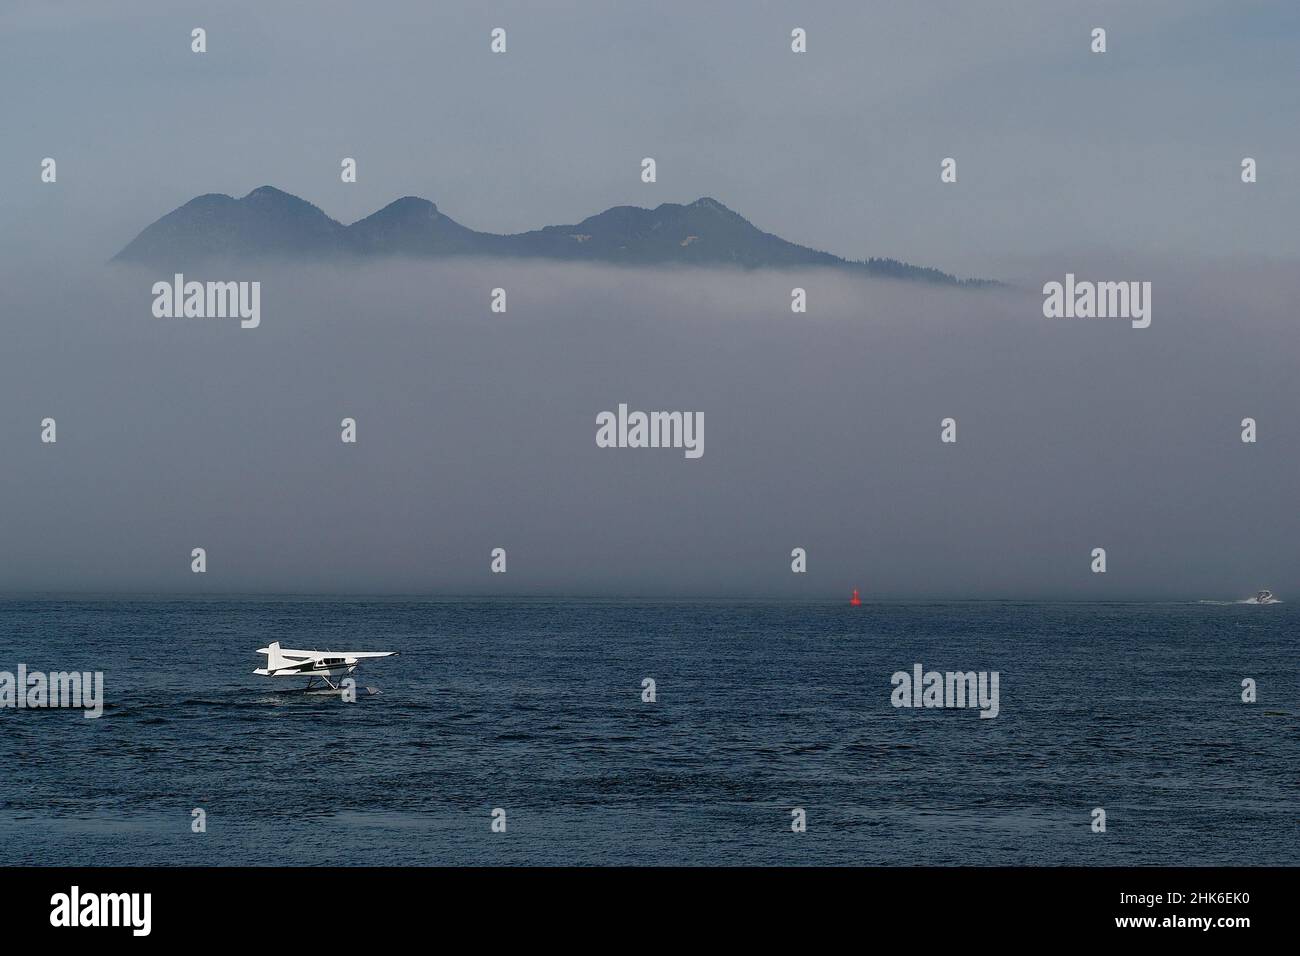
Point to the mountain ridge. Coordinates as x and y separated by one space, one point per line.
271 223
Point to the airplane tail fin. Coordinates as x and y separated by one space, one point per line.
275 660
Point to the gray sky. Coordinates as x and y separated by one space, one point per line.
477 431
1058 149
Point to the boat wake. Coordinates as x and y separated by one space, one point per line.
1262 597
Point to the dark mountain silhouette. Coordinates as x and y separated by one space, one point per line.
267 223
271 224
414 227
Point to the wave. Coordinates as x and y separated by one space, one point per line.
1254 601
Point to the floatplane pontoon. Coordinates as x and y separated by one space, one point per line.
323 669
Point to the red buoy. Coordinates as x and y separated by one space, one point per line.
855 600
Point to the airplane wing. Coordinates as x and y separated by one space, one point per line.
281 652
283 661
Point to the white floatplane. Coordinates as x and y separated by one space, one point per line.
323 669
1263 597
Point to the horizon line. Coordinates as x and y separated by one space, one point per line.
505 599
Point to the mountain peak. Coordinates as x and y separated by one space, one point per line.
708 202
266 223
269 223
270 192
412 226
409 205
271 198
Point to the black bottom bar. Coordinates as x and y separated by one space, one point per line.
329 905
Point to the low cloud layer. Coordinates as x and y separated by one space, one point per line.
477 430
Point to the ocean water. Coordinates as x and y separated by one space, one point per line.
535 707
